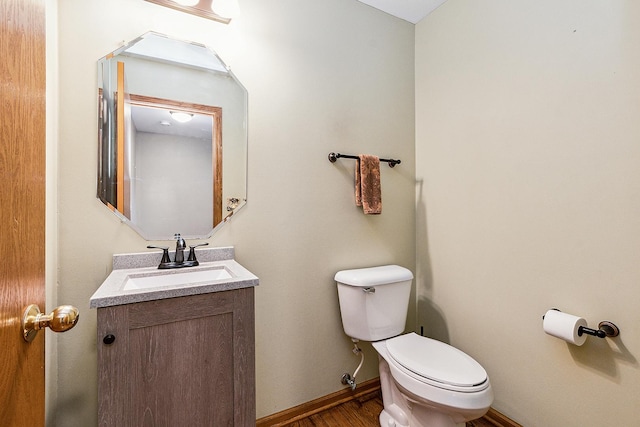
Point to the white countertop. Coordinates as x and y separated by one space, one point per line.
112 291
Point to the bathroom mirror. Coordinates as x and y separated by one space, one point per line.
172 136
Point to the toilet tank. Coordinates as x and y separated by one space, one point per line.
374 301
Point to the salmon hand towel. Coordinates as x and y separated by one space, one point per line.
368 191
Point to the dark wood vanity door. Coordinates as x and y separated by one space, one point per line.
179 361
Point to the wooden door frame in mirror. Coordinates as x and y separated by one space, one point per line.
216 142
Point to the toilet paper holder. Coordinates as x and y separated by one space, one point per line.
605 329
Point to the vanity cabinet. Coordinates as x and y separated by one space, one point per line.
184 361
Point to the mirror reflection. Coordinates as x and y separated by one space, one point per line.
172 137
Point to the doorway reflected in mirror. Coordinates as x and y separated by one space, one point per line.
151 171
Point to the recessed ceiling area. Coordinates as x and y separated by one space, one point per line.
409 10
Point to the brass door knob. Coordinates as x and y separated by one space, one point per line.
61 319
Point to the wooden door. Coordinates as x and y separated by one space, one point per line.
22 207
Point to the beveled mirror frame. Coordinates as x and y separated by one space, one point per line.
223 95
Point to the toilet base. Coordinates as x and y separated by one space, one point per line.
387 420
434 419
402 410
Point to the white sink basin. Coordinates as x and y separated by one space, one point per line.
136 278
175 278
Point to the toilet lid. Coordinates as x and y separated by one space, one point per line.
436 360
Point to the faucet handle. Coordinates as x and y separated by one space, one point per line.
165 253
192 252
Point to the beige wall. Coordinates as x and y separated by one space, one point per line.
322 76
528 151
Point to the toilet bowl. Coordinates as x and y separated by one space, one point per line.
452 387
424 382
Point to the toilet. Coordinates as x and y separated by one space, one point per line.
425 383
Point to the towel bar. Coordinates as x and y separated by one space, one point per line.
335 156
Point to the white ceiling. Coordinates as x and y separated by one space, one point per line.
158 120
409 10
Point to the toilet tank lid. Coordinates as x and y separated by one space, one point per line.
373 276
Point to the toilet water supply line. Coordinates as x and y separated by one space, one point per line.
351 379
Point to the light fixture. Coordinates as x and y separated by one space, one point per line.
226 8
202 8
187 2
181 116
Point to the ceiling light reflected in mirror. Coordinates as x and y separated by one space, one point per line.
181 117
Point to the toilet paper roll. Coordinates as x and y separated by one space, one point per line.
564 326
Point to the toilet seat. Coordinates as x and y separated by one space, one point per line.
436 363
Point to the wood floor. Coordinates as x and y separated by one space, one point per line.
360 412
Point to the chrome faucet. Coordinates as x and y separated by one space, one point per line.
180 247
